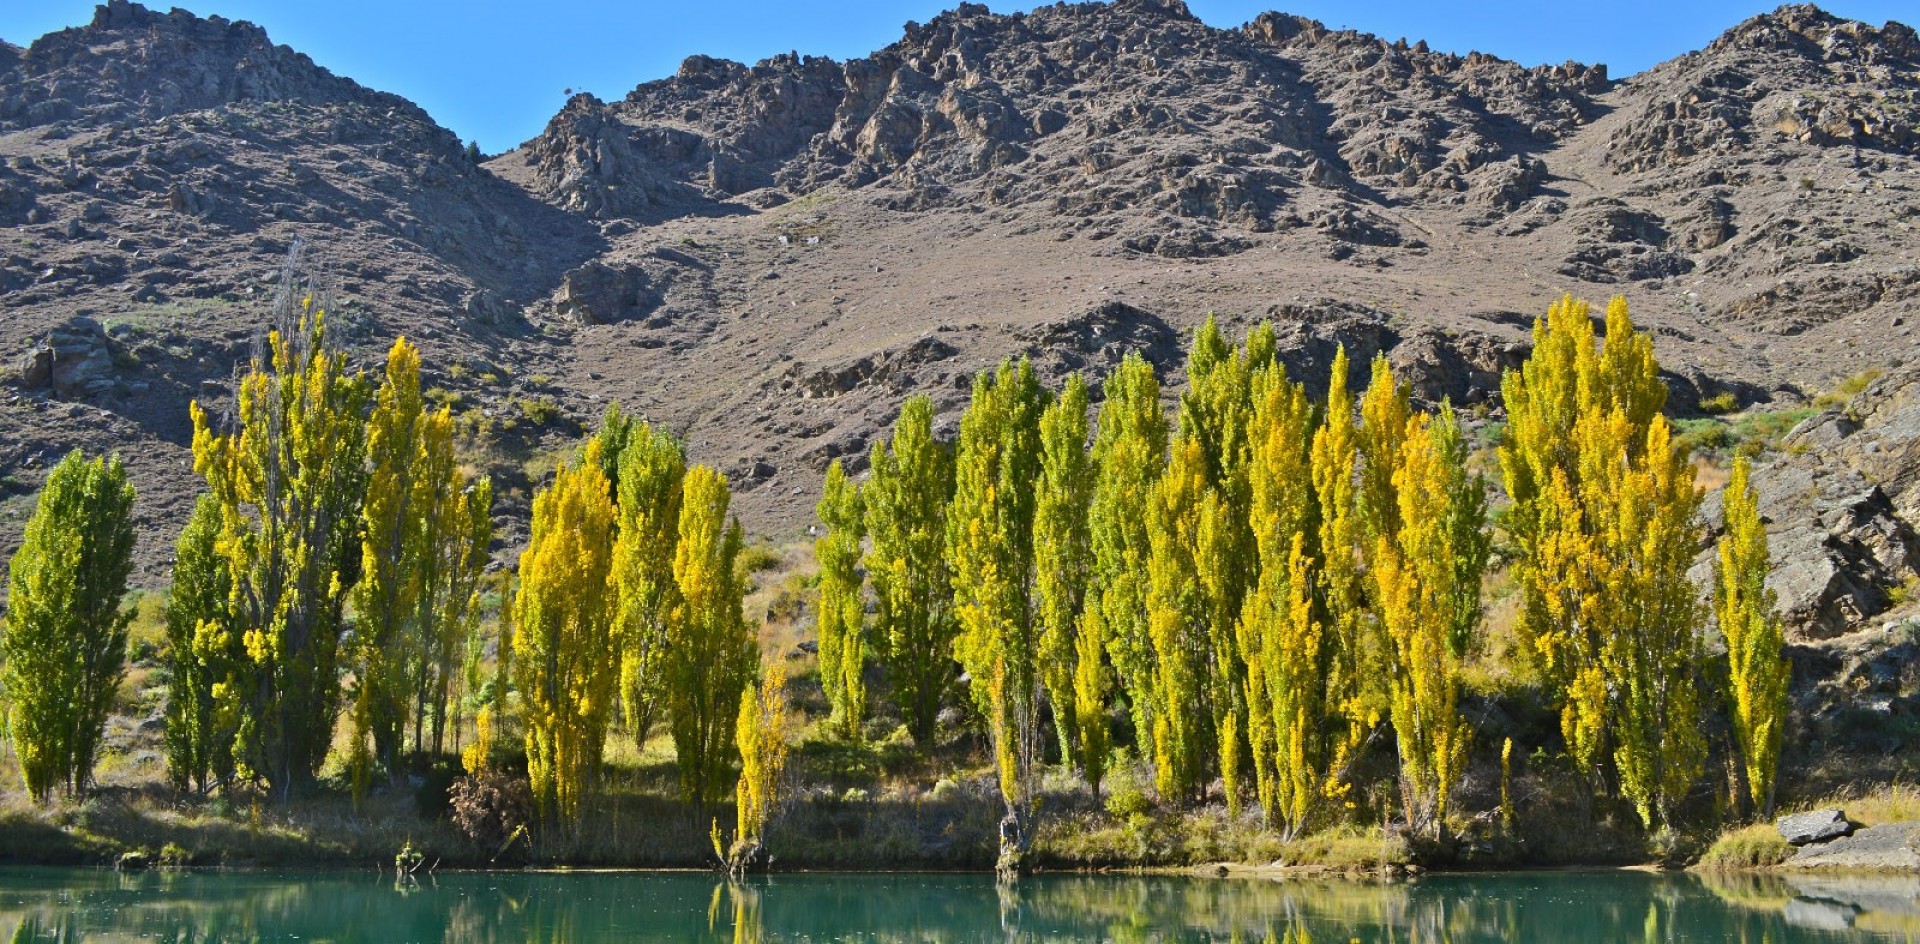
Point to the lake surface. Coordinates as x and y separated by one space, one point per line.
72 905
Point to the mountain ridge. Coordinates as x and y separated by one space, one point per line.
768 257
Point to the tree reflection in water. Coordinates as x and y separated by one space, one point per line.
1556 908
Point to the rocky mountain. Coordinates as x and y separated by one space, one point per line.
768 257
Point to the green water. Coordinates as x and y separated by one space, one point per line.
65 905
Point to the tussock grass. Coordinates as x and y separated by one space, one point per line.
1750 847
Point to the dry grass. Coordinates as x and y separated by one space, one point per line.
1750 847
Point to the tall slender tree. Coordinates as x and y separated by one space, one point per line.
1129 455
1746 612
841 605
565 664
652 469
63 648
1063 561
990 548
906 499
710 650
203 650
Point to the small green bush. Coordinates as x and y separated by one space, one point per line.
1719 403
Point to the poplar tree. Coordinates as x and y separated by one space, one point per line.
1746 612
905 500
710 650
1129 455
762 733
1415 574
1354 667
990 551
1602 515
1282 640
841 606
203 650
1063 560
287 470
63 648
565 664
1180 506
390 653
1215 412
652 468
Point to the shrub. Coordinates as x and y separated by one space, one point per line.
490 808
1722 402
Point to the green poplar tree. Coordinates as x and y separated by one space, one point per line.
841 606
906 499
63 648
990 551
203 650
1063 560
651 471
1129 455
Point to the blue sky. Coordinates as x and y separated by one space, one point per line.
496 71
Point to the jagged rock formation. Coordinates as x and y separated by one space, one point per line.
769 256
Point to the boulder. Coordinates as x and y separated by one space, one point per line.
1815 826
74 358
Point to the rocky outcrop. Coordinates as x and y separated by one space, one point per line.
1891 847
1841 508
75 359
179 63
1800 829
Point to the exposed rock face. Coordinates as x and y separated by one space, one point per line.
132 65
1813 826
1841 508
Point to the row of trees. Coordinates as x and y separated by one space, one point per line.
338 561
1260 590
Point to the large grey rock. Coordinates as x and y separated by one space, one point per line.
74 358
1817 826
1889 848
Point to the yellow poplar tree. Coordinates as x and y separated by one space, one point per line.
1602 514
1414 574
651 470
842 607
1063 559
1745 610
1129 455
287 469
1180 507
763 735
710 650
1354 669
1280 637
565 664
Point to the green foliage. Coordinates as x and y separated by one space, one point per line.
649 468
1063 561
990 552
1129 453
64 646
906 498
204 649
710 650
842 605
